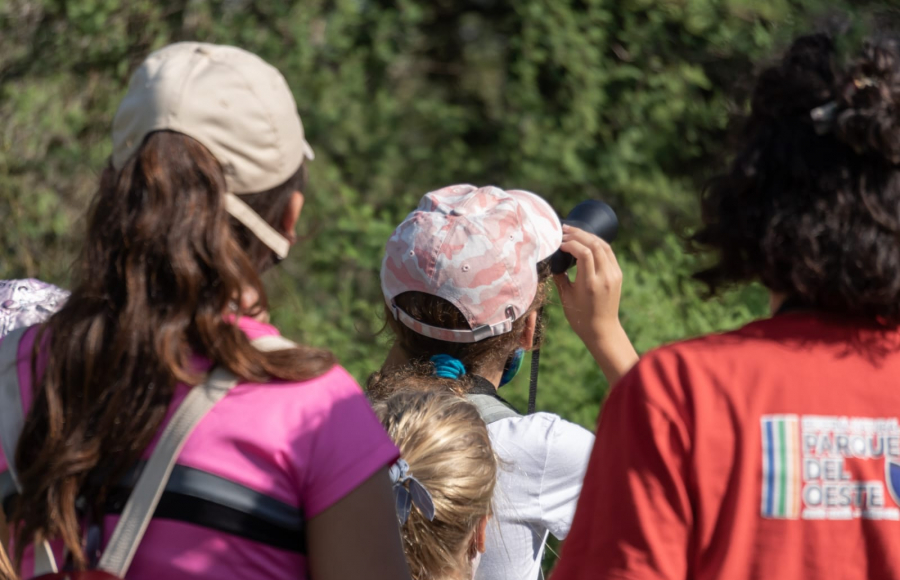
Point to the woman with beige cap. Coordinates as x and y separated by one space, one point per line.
156 391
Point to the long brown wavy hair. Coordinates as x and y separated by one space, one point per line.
162 266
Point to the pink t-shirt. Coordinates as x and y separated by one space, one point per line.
307 444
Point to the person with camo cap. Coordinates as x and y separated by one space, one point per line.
27 302
464 277
23 303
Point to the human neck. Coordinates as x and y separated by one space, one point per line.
493 378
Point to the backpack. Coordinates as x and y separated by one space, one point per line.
144 498
491 406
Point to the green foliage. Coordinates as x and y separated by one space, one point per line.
627 100
622 99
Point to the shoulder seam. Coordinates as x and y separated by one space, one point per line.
552 421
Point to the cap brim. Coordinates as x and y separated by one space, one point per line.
253 222
308 152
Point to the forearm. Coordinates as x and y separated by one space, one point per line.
591 302
614 353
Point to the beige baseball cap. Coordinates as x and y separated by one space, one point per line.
235 104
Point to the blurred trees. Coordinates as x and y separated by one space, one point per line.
626 100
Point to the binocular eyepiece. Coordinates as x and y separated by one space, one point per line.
591 216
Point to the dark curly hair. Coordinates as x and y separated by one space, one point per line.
811 203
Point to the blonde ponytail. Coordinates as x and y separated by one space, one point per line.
6 569
446 444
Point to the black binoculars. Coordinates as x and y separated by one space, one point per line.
591 216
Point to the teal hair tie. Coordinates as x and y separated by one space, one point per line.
447 367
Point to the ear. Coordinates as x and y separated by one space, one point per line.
776 301
527 340
249 300
481 534
291 215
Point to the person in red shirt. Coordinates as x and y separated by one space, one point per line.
773 451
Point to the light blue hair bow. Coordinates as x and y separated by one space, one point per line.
408 491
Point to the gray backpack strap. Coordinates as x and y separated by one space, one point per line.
12 419
490 408
147 492
272 343
12 416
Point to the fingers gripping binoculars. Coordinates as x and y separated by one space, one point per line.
592 216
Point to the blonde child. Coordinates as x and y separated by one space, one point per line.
446 453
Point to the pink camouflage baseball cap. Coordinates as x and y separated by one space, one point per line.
27 302
476 247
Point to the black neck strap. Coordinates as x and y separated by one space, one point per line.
535 364
482 386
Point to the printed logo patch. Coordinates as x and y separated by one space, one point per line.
809 466
781 466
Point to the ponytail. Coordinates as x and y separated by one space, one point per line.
447 447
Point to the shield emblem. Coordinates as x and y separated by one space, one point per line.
892 475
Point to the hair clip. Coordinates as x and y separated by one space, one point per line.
823 117
864 83
408 491
447 367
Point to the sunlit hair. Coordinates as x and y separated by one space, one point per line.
6 569
162 266
477 356
447 447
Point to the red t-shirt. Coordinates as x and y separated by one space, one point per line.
770 452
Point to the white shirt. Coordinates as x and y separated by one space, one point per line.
542 463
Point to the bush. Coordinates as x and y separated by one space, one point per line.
626 100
